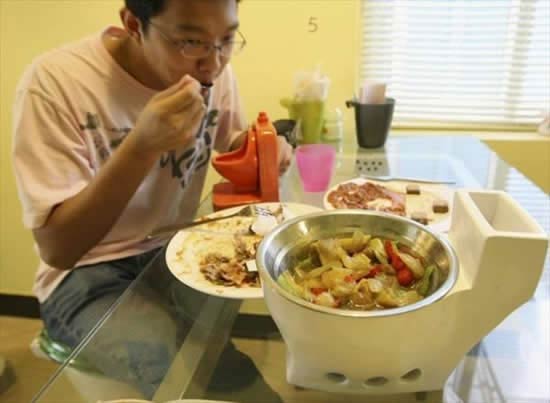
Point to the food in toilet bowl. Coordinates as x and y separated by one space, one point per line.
361 272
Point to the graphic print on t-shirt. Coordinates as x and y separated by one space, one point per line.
196 155
182 166
121 133
92 127
104 146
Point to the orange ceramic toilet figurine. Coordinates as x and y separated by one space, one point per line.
251 170
240 167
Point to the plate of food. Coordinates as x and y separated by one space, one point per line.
428 204
217 258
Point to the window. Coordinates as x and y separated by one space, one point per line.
460 63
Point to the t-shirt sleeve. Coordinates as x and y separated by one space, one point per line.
50 156
232 120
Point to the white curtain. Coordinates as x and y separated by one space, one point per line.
460 63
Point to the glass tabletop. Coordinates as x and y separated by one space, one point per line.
164 341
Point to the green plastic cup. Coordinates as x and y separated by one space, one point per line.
309 115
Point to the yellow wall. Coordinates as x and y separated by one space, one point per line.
277 33
278 45
28 28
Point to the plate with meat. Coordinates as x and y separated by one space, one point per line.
428 204
217 258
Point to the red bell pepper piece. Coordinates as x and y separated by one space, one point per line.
393 257
374 271
349 279
318 290
405 277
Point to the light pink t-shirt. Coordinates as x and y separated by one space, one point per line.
74 106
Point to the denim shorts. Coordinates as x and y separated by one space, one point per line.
121 348
86 294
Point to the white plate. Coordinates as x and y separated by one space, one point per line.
186 249
422 202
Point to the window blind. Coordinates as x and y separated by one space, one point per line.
460 62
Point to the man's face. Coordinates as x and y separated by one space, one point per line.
190 21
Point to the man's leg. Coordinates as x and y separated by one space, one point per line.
135 343
7 376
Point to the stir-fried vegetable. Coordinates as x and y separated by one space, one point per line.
360 272
287 282
424 284
379 252
413 264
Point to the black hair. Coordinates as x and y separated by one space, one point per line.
144 10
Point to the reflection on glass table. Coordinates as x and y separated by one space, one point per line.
173 342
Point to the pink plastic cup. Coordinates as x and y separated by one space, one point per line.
315 165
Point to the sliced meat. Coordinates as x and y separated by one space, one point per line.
226 271
352 195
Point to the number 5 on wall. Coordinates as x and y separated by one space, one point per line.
313 25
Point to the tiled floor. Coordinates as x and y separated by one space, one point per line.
30 372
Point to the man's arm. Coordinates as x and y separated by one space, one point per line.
79 223
82 221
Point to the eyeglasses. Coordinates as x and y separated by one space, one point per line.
195 49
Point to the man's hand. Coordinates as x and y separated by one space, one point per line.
170 119
284 154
